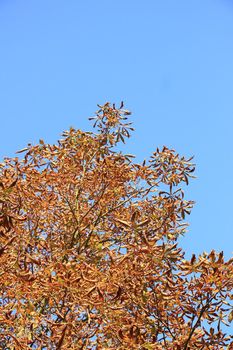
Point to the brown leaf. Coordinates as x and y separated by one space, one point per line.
124 223
60 342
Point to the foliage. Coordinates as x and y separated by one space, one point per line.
89 257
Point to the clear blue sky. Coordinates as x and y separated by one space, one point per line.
170 61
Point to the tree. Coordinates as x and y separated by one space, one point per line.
89 255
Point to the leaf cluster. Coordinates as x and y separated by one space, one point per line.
89 254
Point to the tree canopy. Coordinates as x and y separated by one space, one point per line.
89 253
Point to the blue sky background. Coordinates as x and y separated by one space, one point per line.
170 61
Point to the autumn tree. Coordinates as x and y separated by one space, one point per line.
89 254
